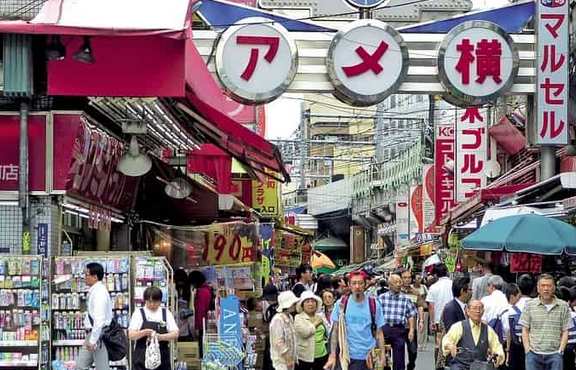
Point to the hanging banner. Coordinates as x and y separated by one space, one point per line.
444 164
402 218
287 249
267 236
416 211
428 196
231 243
230 333
265 197
552 20
42 239
471 152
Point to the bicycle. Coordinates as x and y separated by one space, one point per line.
489 364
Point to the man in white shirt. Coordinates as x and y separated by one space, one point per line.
98 316
495 302
439 295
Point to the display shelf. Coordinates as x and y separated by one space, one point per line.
68 342
18 343
11 363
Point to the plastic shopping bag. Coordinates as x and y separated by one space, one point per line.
153 359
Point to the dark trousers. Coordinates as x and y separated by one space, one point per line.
358 365
303 365
569 360
412 347
396 337
319 363
517 357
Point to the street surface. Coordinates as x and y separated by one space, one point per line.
425 360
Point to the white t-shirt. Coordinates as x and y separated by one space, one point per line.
494 305
136 320
440 294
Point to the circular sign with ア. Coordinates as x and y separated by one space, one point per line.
367 61
477 62
256 61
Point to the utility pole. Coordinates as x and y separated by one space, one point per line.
23 199
303 144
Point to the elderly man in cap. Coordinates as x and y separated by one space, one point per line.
357 323
282 333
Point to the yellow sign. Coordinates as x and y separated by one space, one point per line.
26 242
265 197
231 243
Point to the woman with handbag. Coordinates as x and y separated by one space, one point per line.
312 330
150 324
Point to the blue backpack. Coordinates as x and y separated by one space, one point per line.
515 327
496 324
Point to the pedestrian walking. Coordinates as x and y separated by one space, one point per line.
98 316
495 302
439 294
471 340
423 291
202 301
304 277
419 302
545 322
148 321
480 284
357 323
399 320
283 343
312 330
510 323
455 310
328 301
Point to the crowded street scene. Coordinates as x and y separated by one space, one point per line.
288 185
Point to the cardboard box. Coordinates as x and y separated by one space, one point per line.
188 352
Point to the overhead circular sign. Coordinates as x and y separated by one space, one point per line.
477 62
367 61
256 61
366 4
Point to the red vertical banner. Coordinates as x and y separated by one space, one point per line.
444 165
416 211
260 126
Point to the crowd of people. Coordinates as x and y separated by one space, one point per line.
345 322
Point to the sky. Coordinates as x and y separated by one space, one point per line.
283 114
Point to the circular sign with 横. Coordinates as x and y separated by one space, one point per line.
366 4
367 61
256 61
477 62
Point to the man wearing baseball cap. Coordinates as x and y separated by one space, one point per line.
357 323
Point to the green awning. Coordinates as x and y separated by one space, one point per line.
331 243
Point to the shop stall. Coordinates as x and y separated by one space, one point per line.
24 317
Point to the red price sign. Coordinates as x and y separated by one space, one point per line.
227 244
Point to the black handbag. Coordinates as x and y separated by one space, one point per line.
114 338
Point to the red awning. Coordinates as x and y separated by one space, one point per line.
208 105
107 18
479 201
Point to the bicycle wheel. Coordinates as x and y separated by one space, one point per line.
482 365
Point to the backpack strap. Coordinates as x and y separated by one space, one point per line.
344 302
372 303
164 314
143 315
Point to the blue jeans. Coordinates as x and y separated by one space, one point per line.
535 361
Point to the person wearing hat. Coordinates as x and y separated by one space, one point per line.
269 306
311 332
283 348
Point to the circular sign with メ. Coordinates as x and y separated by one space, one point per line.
367 61
256 61
477 62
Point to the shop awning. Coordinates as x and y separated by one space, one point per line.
331 243
107 18
221 14
558 187
477 202
512 18
206 105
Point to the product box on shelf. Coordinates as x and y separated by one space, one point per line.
188 351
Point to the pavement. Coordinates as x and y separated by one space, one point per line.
425 359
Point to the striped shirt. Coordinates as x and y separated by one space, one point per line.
397 308
546 325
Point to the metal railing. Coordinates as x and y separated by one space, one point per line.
24 10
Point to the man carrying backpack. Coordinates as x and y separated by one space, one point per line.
357 323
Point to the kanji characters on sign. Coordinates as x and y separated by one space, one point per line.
9 172
471 153
444 194
552 83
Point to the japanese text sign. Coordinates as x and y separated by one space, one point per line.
444 188
42 239
471 152
231 243
265 197
552 68
367 61
287 249
428 196
256 61
402 217
416 210
477 62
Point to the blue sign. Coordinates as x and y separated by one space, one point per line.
553 3
42 240
229 324
365 4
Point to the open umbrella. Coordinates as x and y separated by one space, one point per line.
528 233
319 260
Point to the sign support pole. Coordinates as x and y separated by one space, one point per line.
23 199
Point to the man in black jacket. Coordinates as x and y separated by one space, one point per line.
455 310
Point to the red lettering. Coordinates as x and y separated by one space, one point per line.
466 58
488 64
206 247
235 248
558 89
559 18
550 125
219 244
477 133
369 62
273 44
550 57
471 114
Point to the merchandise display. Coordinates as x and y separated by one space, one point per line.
69 299
21 311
